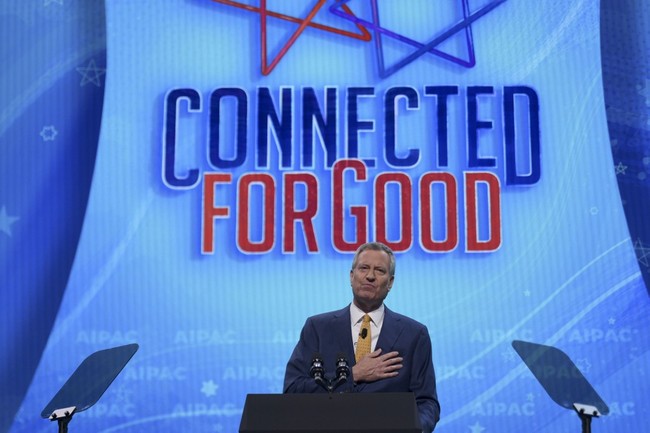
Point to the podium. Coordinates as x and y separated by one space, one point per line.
330 413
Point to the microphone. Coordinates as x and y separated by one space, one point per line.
364 333
317 371
342 370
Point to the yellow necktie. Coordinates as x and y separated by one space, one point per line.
364 340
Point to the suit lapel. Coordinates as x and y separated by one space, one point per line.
390 331
341 326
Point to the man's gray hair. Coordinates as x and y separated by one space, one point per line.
375 246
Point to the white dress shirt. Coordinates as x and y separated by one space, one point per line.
376 322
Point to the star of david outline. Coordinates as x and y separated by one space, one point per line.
209 388
378 29
267 68
341 9
48 133
429 47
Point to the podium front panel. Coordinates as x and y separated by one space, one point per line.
330 413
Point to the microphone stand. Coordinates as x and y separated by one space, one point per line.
318 373
342 372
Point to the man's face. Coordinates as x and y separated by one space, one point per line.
371 279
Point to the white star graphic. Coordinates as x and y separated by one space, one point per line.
527 293
48 133
611 321
209 388
620 168
6 221
91 74
476 428
642 253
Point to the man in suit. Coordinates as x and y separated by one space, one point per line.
388 352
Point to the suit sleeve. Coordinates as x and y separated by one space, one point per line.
423 383
296 377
